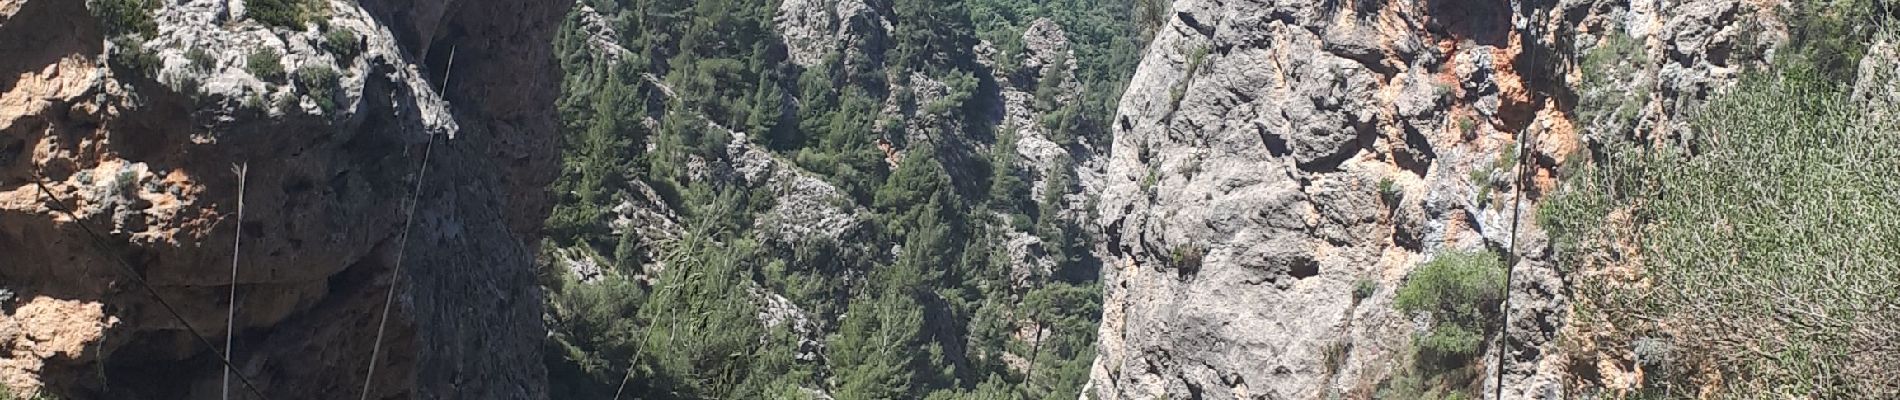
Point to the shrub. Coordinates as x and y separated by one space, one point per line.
1481 179
1604 99
321 83
1186 257
1462 291
255 101
292 14
287 102
1830 37
125 17
1388 189
1179 92
343 43
1507 160
1334 355
188 85
265 64
1154 176
1364 289
132 57
201 60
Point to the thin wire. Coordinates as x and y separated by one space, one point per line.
402 244
230 317
100 242
647 336
1517 203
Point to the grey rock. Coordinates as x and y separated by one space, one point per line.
601 35
1256 134
1875 85
775 310
1049 55
815 28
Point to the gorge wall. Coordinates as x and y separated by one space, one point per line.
132 115
1280 167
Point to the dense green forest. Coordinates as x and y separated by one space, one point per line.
920 302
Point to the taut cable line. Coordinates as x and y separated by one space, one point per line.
1524 137
105 249
402 243
230 316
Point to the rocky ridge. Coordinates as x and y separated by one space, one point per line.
139 133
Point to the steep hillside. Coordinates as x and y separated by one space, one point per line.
830 199
121 122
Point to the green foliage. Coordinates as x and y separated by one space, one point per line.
931 34
1364 289
1388 189
187 85
1154 176
1410 383
1106 42
291 14
1507 159
1186 257
1769 250
919 303
1179 92
265 63
131 56
1828 38
255 101
1334 354
1481 178
286 102
125 17
43 394
1461 290
321 83
1151 15
1605 98
1060 360
344 43
1007 188
201 60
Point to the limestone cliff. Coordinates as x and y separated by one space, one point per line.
1279 167
132 115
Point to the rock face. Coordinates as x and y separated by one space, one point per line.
1269 157
137 136
815 28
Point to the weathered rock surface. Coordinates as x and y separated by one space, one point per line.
142 154
1269 156
814 29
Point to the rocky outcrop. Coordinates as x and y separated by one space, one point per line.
137 135
1271 157
815 29
600 34
806 207
1875 85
